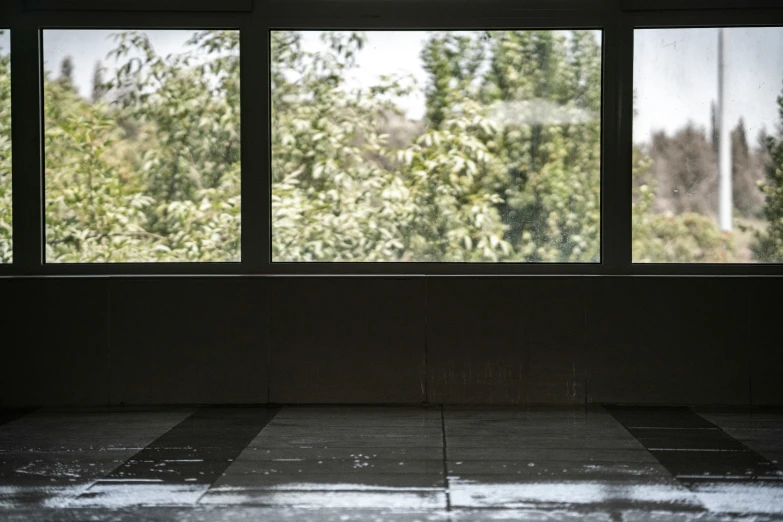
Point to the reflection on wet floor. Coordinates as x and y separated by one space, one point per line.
364 463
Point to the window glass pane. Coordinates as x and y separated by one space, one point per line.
6 244
708 145
142 146
462 146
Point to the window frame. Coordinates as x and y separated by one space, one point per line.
32 228
617 19
684 18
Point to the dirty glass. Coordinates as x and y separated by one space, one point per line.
6 238
461 146
142 146
708 145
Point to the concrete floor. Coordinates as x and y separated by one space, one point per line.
396 464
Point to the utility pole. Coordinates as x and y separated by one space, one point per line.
725 200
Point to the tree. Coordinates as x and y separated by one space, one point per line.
540 119
66 72
154 176
341 193
769 244
506 166
685 171
98 84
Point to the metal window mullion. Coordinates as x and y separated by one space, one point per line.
621 188
26 146
256 186
611 170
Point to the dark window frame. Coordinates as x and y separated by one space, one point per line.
616 18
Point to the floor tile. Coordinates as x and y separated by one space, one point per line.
331 481
559 469
348 452
391 464
410 500
359 466
513 493
560 454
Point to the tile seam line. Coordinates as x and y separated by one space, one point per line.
108 474
645 448
131 457
272 412
679 477
447 488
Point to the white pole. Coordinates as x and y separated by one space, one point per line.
725 203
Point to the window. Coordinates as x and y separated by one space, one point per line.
460 146
6 239
708 145
142 141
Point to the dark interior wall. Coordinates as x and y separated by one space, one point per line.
525 340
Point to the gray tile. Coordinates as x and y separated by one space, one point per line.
426 432
564 454
776 457
744 421
123 495
524 432
356 421
363 465
741 498
234 513
49 459
529 413
407 500
744 416
593 515
557 477
651 515
530 515
543 442
51 470
348 481
494 491
527 422
559 464
561 470
80 432
347 441
350 452
754 433
359 412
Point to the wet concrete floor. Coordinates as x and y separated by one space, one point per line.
396 464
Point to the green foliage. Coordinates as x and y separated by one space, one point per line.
688 237
155 174
506 166
769 244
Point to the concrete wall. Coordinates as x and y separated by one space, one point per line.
562 340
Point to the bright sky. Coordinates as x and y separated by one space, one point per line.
676 78
675 70
88 46
5 43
